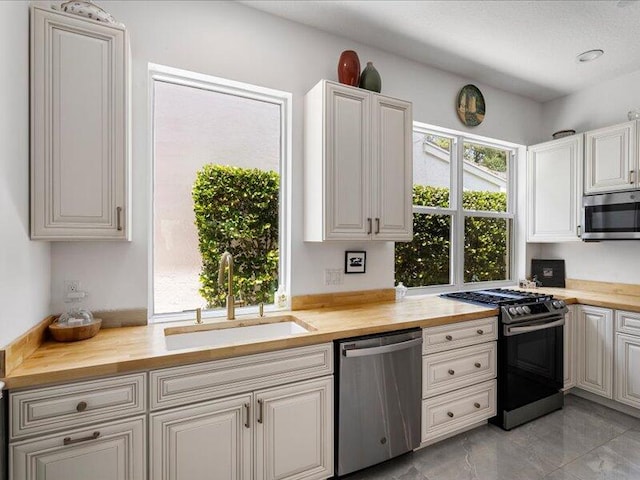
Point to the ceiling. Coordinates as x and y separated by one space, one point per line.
525 47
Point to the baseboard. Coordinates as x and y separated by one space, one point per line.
450 434
620 407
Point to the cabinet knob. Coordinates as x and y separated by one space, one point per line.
450 414
477 405
478 364
449 337
81 407
452 372
480 331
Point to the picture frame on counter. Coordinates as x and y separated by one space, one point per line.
355 262
548 273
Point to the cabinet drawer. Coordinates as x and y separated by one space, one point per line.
447 371
206 381
628 322
49 409
114 450
455 335
451 412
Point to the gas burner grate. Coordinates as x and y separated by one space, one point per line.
498 297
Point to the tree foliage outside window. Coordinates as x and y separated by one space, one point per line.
426 260
236 210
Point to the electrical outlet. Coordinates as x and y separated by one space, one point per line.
333 276
71 286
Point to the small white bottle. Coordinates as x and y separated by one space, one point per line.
401 291
280 297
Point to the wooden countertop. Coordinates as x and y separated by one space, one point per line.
597 299
126 349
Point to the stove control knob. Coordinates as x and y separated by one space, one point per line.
562 304
512 311
526 309
557 304
519 310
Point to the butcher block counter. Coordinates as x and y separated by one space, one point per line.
120 350
126 349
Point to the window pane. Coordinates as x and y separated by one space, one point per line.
485 178
486 249
194 128
425 260
431 170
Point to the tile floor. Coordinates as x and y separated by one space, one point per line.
584 441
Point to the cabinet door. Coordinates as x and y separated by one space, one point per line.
294 431
392 169
348 166
554 190
628 370
79 128
108 451
610 158
570 348
595 350
202 442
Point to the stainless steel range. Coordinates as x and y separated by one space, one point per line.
530 352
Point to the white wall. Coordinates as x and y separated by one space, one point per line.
234 41
597 106
24 265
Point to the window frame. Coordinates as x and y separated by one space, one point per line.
458 215
176 76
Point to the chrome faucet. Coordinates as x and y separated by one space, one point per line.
226 260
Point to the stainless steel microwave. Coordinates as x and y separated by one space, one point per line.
611 216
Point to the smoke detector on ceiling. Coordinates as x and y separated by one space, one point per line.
590 55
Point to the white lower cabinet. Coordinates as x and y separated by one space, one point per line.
458 377
570 371
294 431
279 433
627 365
208 440
595 350
628 370
107 451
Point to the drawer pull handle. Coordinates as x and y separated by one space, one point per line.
260 410
449 337
70 441
450 414
81 407
119 219
480 331
452 372
247 411
477 405
478 364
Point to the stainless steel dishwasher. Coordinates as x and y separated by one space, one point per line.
378 397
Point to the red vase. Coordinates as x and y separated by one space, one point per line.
349 68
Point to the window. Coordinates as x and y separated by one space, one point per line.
463 212
220 158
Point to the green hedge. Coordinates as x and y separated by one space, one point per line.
236 209
426 260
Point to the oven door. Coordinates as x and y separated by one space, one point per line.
612 216
534 361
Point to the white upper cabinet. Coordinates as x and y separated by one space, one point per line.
358 165
554 190
79 128
611 159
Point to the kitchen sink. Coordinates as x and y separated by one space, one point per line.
234 332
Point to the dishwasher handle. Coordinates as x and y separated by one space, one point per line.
394 347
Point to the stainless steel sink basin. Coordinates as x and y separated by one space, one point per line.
234 332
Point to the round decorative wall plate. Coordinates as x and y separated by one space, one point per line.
470 105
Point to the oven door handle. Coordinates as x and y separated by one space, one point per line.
533 328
